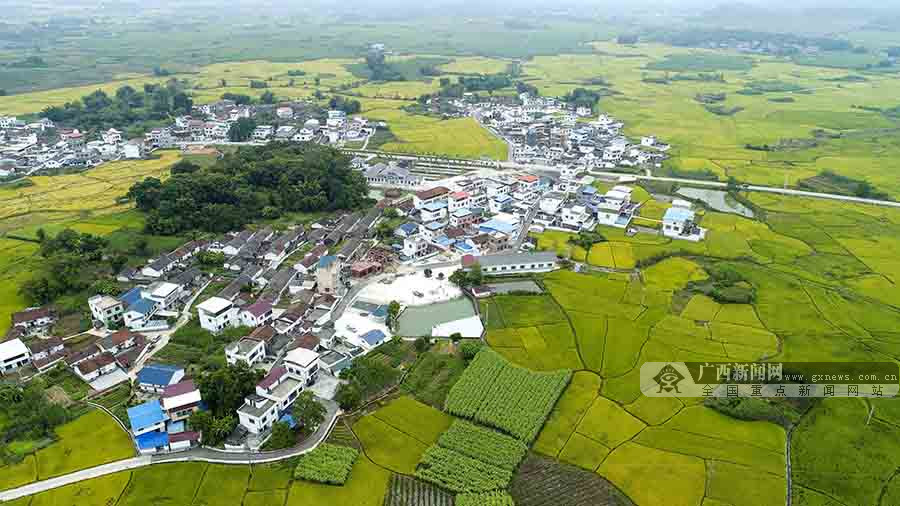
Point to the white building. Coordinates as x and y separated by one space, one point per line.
415 247
249 351
256 314
551 202
217 314
274 394
106 309
13 355
303 363
284 112
678 223
497 265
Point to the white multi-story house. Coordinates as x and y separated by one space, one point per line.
551 202
577 216
13 355
181 400
256 314
274 394
249 351
678 223
263 132
415 247
436 194
217 314
111 136
458 200
434 211
106 309
303 363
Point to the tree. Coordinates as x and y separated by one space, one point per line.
184 167
348 396
471 348
41 235
282 437
393 310
241 130
455 337
476 277
308 411
427 272
390 213
215 429
211 258
224 390
254 84
267 97
421 344
384 230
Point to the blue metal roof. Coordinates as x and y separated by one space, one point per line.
152 440
142 306
131 296
435 206
502 198
145 415
497 225
327 260
459 213
408 228
678 214
380 312
434 225
157 374
373 337
288 419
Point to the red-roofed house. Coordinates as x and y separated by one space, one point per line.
33 321
181 400
183 440
93 368
256 314
436 194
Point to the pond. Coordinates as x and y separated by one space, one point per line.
717 200
420 320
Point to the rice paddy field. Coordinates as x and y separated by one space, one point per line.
86 201
825 290
90 440
822 99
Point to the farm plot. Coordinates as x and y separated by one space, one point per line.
459 473
485 499
496 393
89 440
407 491
168 484
96 492
327 464
544 482
221 484
484 444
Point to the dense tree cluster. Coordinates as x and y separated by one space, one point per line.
66 254
124 109
582 97
237 98
238 188
380 69
223 392
471 84
27 413
348 105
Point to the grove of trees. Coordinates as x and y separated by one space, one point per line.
238 188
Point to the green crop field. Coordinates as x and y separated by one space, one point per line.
90 440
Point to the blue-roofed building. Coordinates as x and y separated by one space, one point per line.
434 211
407 230
500 203
678 223
373 338
138 314
148 427
152 442
495 225
131 296
326 261
156 377
328 275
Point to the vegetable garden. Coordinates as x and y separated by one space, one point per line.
327 463
494 392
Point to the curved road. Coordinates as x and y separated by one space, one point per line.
194 455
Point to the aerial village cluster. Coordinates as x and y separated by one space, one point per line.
314 298
28 148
